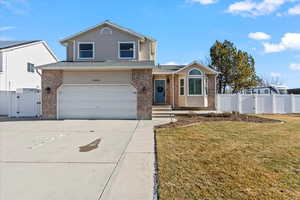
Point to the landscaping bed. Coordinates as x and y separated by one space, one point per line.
186 120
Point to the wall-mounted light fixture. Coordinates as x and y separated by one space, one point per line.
144 89
168 80
48 90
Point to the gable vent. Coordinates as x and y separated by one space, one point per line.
106 31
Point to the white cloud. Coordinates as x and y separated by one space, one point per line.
254 8
275 75
295 66
6 28
295 10
288 41
171 63
5 38
259 36
204 2
272 48
175 63
16 6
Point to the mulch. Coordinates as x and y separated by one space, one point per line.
187 120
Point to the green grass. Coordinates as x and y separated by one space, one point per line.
230 160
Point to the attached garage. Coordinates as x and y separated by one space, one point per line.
97 102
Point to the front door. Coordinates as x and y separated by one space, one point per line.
160 88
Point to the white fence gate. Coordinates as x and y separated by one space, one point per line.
258 104
22 103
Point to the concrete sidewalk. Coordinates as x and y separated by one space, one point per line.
134 177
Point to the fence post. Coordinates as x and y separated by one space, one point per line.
239 103
292 98
218 102
9 99
273 103
255 104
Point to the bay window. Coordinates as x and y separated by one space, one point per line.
195 82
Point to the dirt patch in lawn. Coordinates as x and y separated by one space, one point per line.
187 120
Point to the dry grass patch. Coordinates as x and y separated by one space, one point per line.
230 160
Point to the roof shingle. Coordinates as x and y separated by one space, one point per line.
4 44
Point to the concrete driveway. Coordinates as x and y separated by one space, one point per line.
42 160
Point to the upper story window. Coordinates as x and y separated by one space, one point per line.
30 67
127 50
86 50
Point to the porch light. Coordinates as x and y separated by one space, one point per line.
48 90
144 89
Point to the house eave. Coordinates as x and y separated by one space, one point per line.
97 66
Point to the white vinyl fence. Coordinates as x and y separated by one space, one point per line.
22 103
258 104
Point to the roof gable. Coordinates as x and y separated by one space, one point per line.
110 24
203 68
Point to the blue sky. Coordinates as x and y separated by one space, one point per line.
185 29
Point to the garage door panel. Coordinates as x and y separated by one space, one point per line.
107 102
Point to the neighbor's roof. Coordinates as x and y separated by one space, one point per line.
171 69
100 65
10 45
167 69
109 23
14 43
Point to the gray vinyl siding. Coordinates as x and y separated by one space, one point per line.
70 51
106 46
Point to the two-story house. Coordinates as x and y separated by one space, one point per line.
110 72
17 61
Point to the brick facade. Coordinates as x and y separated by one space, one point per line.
142 80
51 79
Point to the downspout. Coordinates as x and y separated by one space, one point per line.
173 90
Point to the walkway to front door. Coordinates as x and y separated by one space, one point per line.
160 94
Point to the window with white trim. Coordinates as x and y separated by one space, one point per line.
126 50
206 85
30 67
86 50
181 87
195 82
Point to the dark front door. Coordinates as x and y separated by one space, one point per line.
160 88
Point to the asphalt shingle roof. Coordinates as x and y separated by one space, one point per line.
4 44
167 68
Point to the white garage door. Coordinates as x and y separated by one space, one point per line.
97 102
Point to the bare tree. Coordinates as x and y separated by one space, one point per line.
268 81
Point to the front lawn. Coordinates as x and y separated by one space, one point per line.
230 160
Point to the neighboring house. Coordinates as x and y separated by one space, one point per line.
272 89
294 91
17 61
109 73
